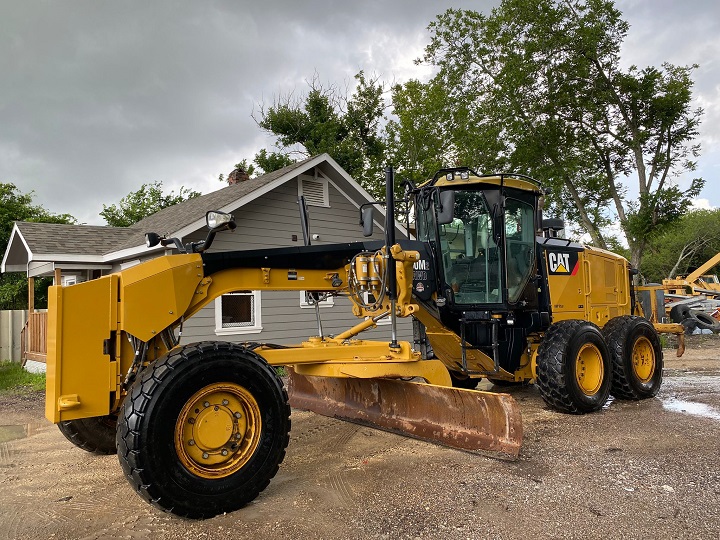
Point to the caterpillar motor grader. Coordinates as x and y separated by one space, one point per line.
201 428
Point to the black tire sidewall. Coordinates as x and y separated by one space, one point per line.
193 495
639 330
587 333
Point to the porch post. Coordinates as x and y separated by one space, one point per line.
57 277
31 294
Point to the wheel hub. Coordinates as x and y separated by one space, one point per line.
589 369
218 430
643 359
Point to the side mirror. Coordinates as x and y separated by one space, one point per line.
446 211
366 220
152 239
219 221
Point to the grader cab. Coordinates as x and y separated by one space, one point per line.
201 428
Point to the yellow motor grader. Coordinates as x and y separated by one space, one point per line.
201 428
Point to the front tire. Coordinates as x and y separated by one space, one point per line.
95 435
204 429
460 380
637 357
573 367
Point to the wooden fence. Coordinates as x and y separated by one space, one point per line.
35 341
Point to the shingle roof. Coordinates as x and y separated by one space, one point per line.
52 238
173 218
60 238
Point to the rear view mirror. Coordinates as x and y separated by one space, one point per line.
445 213
219 221
366 220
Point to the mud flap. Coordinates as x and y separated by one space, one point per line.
479 422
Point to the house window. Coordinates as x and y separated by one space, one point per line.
238 312
306 303
315 190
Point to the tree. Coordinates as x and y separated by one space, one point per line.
18 206
325 120
687 245
144 202
537 87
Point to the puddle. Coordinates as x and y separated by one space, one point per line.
691 407
13 433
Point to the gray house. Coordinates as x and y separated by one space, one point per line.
267 215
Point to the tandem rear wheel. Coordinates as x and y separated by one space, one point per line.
204 429
573 367
637 358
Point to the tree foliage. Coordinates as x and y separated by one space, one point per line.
537 87
686 246
18 206
144 202
326 120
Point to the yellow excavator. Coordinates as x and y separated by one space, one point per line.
201 428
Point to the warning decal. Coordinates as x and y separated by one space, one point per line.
562 263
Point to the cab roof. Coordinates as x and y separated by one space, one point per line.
463 176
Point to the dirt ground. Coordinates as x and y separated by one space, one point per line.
634 470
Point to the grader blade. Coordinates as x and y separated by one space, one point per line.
479 422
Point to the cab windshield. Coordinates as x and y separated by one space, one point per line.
471 256
474 253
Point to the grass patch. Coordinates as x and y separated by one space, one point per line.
14 379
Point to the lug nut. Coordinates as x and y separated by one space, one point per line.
238 436
206 404
191 420
205 455
224 452
225 402
191 442
238 415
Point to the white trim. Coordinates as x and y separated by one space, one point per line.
238 330
380 226
323 184
129 264
304 304
200 223
15 230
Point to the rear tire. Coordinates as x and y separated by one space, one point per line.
204 429
637 358
573 367
95 435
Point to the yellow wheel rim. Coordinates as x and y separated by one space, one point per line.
589 369
643 359
218 430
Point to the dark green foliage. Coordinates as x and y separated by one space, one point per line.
537 88
144 202
693 240
18 206
326 121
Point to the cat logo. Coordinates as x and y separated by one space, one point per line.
562 263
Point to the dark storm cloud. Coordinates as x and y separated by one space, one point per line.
97 97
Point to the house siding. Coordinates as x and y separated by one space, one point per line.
270 221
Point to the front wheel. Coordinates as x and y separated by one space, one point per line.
204 429
573 367
95 435
637 357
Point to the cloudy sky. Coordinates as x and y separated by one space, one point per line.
99 97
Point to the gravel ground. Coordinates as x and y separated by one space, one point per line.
634 470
